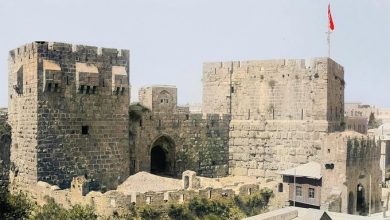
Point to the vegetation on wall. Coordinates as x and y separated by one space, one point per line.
373 122
18 206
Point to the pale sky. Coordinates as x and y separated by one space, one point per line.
170 39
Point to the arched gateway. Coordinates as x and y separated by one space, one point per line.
162 156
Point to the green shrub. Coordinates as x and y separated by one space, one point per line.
179 212
81 212
53 211
148 213
16 206
255 203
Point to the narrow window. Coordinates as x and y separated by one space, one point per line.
49 87
231 89
85 130
67 80
117 90
301 114
249 191
298 190
249 114
123 90
56 87
82 89
140 123
273 114
280 187
311 193
187 117
186 182
94 89
88 88
162 100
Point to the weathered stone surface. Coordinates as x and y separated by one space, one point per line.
189 141
68 108
281 107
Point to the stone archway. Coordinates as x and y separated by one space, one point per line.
162 156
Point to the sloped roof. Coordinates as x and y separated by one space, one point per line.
310 170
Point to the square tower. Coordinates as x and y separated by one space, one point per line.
68 108
159 98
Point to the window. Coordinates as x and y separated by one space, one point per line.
298 190
280 187
85 130
311 193
49 87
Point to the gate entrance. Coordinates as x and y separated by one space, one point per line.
162 157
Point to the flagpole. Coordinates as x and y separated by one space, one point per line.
328 38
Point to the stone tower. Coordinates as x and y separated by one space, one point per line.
280 110
68 109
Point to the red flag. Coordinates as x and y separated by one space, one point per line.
331 25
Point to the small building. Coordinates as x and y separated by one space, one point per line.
304 184
346 180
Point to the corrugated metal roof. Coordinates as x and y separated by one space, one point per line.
309 170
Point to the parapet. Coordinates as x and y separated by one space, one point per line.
277 63
45 46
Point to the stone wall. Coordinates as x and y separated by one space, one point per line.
350 160
280 110
116 201
68 108
190 141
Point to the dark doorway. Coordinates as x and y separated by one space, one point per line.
162 157
158 160
360 200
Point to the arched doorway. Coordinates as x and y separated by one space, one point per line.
158 160
162 156
360 200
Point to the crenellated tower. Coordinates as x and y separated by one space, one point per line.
68 108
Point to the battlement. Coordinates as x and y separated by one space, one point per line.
271 64
44 47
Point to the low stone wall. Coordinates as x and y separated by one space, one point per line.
114 201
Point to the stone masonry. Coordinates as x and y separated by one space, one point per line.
68 109
280 110
351 172
161 130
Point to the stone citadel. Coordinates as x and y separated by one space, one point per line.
70 113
